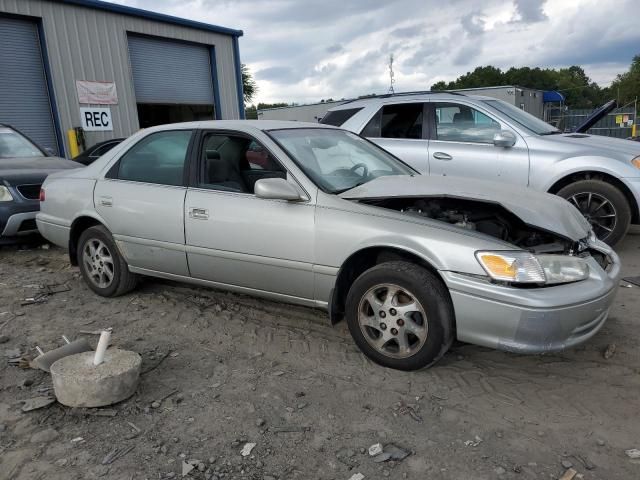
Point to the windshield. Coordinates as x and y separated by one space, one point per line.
337 160
523 118
14 145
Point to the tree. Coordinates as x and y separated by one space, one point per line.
626 87
249 86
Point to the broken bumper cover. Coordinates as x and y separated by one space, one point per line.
534 320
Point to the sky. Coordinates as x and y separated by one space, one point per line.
306 50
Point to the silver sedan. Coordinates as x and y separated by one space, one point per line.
318 216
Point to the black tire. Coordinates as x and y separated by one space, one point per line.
431 294
578 193
122 280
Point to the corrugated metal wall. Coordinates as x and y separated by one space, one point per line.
90 44
299 113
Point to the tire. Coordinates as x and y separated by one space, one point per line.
426 324
111 276
598 201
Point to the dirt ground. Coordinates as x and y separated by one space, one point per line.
220 370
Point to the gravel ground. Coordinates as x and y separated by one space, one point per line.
222 370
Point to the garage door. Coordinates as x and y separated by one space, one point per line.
24 96
170 72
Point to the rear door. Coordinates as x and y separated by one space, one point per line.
400 129
141 200
235 238
461 144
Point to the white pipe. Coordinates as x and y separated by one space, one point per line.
103 343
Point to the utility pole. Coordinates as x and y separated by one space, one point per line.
391 75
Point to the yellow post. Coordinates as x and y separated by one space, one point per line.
633 129
73 143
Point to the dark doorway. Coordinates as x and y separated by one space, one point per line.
150 115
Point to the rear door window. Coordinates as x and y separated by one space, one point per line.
461 123
403 120
158 158
338 117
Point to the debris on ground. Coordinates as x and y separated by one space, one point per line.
633 453
36 403
45 360
609 351
356 476
473 443
634 280
186 468
116 453
375 449
568 474
389 452
246 450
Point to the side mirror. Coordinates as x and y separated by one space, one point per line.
276 189
504 138
50 151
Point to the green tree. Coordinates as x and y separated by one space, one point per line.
626 87
249 86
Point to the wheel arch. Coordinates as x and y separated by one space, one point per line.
605 177
79 225
360 261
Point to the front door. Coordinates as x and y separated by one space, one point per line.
400 129
235 238
462 145
142 202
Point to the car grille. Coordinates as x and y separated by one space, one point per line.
30 192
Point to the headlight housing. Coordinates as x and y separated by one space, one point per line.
524 267
636 162
5 194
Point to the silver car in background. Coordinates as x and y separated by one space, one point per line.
481 137
321 217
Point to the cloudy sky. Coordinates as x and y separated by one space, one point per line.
306 50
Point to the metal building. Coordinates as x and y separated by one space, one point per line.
301 113
111 70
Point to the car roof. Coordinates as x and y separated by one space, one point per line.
240 125
405 97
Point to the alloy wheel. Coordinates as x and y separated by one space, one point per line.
98 263
392 320
598 211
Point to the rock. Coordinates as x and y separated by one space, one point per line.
27 382
356 476
375 449
302 405
500 470
4 338
62 462
170 475
186 468
633 453
600 442
36 403
246 450
609 351
385 473
566 464
260 422
44 436
155 404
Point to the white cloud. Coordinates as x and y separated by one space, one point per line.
302 51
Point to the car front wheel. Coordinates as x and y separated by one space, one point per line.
103 268
400 315
603 205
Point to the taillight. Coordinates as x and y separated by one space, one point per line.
42 194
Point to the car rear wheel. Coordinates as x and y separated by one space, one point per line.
603 205
400 315
103 268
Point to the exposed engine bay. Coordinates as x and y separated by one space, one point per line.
484 217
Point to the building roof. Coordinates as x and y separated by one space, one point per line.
158 17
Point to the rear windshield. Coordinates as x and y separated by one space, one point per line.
338 117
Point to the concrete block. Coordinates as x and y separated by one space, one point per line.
77 382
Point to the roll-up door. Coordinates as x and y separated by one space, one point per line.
24 95
170 72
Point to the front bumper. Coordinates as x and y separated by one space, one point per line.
534 320
18 219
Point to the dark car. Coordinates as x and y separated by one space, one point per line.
91 154
23 168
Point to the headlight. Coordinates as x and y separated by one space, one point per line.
524 267
636 162
5 194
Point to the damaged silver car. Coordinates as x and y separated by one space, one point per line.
318 216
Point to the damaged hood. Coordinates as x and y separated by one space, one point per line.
536 209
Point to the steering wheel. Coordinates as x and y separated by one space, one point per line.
365 172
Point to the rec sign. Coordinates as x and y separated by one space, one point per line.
94 119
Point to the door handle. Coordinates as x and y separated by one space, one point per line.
199 213
106 201
442 156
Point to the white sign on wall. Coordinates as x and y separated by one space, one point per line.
97 93
96 119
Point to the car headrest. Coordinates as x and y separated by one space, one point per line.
213 155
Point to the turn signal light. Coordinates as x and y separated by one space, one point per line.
636 162
42 195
